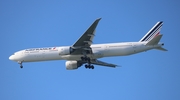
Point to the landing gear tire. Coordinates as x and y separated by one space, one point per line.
88 61
89 66
20 62
21 66
86 66
92 67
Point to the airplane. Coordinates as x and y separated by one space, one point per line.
83 52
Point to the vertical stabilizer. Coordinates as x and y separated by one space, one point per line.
155 40
153 32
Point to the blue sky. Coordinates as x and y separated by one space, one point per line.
151 75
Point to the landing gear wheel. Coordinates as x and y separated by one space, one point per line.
89 66
20 62
86 66
21 66
92 67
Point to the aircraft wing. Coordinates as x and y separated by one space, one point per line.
84 42
101 63
86 39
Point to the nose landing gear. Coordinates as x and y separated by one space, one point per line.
21 66
20 62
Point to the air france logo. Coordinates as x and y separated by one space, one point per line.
39 49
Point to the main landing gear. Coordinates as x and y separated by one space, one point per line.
20 62
88 60
89 66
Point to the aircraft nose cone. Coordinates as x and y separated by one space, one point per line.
11 57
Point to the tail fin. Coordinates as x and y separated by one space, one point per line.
155 40
153 32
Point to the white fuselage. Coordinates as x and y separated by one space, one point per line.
99 51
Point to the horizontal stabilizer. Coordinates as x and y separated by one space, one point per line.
161 48
155 40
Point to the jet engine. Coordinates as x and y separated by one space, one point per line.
71 65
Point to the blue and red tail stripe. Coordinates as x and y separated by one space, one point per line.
155 30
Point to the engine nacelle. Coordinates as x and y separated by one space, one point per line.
71 65
64 50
